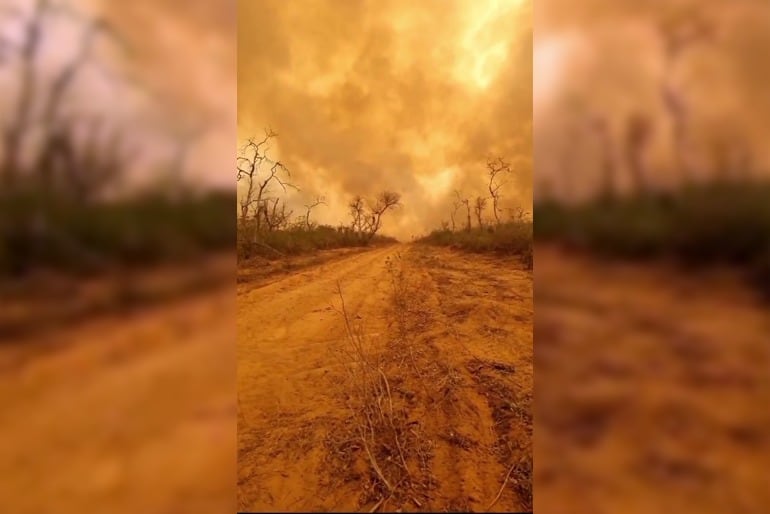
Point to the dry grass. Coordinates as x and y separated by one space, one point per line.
379 400
510 238
378 430
297 240
708 225
99 238
406 401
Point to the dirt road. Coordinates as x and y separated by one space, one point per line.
451 336
124 413
653 389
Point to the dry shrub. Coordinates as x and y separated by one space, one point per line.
510 238
714 224
377 443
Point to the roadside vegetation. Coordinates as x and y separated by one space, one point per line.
717 210
86 238
268 228
298 239
64 202
471 229
721 223
406 397
510 238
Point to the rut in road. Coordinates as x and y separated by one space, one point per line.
451 335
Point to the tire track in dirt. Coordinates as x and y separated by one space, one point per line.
295 445
483 315
454 417
286 378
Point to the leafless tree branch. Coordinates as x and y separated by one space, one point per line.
496 168
467 203
319 200
249 170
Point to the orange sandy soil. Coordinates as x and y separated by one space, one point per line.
259 271
653 389
123 413
49 301
457 355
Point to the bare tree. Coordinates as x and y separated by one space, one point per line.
478 208
251 157
319 200
385 200
367 216
274 218
453 212
248 167
496 168
20 120
83 167
41 98
357 210
517 214
467 203
678 34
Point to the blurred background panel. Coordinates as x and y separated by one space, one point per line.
652 223
117 235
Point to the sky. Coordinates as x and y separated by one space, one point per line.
604 58
395 95
185 50
175 73
413 96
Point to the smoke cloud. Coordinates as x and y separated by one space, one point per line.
183 56
406 96
607 59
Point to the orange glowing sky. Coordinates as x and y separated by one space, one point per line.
370 95
605 58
